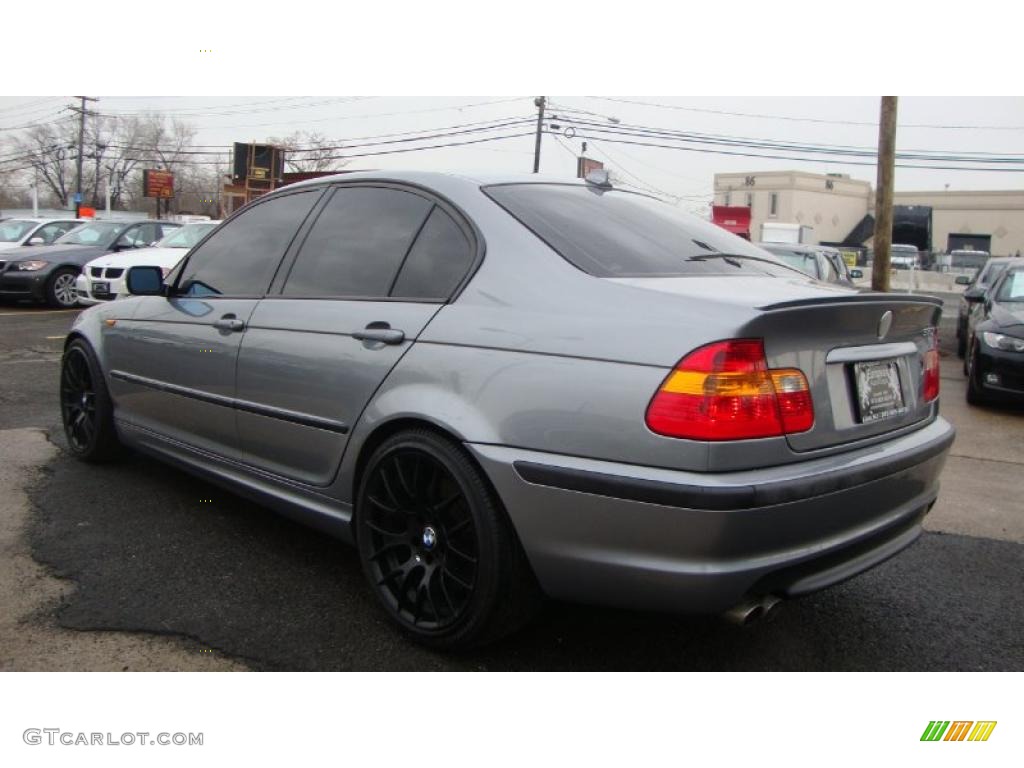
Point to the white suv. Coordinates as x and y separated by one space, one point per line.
903 257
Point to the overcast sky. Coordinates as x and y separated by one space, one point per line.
997 126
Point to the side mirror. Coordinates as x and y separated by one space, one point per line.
974 294
145 281
37 240
856 274
962 280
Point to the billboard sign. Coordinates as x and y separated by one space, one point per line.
159 184
585 165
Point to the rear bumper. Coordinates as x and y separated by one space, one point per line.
657 539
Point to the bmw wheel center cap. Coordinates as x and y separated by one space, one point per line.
429 538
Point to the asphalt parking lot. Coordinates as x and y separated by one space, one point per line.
138 566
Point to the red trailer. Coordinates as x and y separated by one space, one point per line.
734 218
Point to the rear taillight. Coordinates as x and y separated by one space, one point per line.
725 391
930 375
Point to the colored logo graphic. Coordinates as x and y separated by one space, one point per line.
958 730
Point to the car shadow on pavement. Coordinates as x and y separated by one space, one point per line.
152 549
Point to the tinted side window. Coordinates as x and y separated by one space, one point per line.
240 258
357 243
437 262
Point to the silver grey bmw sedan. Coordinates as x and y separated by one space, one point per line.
500 389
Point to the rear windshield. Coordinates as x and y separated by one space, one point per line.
611 233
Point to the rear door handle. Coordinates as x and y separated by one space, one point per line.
381 332
229 323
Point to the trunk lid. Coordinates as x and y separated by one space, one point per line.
828 332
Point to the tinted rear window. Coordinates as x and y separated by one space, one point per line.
611 233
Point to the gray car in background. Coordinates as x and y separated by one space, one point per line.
510 387
818 261
47 273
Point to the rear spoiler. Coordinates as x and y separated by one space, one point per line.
857 298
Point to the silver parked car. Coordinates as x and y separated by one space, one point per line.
504 388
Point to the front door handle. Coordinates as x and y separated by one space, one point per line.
380 332
229 323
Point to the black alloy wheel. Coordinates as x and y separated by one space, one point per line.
435 544
85 405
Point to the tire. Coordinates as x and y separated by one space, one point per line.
85 406
975 394
436 545
961 343
60 288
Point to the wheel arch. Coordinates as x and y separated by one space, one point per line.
376 437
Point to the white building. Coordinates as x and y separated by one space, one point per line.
836 206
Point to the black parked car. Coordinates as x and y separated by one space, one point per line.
975 292
994 364
48 274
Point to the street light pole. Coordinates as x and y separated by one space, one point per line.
538 102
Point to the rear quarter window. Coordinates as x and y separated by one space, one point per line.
613 233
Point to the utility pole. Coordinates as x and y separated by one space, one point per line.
538 102
81 150
883 194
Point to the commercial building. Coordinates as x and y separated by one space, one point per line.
841 211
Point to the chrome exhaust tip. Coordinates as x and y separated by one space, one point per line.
751 611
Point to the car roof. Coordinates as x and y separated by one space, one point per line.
426 178
41 220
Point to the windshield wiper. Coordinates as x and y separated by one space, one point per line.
734 259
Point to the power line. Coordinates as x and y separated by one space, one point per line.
23 111
365 116
868 150
706 138
341 145
790 158
349 155
807 119
208 111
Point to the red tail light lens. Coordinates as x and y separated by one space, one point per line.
725 391
930 375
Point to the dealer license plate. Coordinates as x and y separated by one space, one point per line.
101 288
879 395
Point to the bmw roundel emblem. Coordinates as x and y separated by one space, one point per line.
429 538
884 325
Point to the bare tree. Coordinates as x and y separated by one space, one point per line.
309 151
50 149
